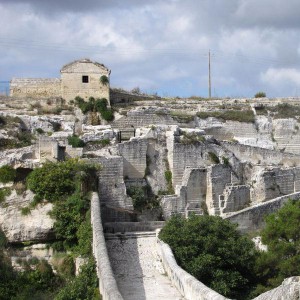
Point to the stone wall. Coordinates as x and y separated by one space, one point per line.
189 286
252 218
72 86
134 157
35 87
107 283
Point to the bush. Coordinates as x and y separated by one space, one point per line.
7 174
260 95
40 131
4 192
212 250
68 215
84 286
75 141
56 180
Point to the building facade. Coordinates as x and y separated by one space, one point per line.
83 78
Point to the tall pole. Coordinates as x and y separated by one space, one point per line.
209 78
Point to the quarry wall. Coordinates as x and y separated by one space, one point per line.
251 218
257 155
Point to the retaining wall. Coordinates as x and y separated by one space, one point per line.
107 283
189 286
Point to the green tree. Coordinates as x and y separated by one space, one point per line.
212 250
282 236
53 181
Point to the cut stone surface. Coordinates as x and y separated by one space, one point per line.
138 270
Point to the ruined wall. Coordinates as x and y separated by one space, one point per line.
235 198
134 153
31 87
251 219
188 285
218 176
48 149
107 283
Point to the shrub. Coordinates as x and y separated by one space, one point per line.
69 214
7 174
75 141
104 80
260 95
212 250
4 192
40 131
84 286
214 158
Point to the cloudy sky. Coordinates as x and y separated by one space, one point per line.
160 46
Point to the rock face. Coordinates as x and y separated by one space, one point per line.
36 226
288 290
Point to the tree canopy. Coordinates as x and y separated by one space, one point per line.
212 250
282 236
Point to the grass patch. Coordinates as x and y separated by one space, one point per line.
191 138
4 192
182 117
245 116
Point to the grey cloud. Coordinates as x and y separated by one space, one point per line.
77 6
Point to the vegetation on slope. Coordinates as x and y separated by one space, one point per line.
66 185
95 105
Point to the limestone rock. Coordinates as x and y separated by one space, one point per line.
36 226
288 290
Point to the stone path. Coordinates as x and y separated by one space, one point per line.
137 268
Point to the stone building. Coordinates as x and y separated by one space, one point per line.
83 78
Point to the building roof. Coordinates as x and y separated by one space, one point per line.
67 67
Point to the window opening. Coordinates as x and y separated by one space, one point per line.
85 79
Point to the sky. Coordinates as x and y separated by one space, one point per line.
159 46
